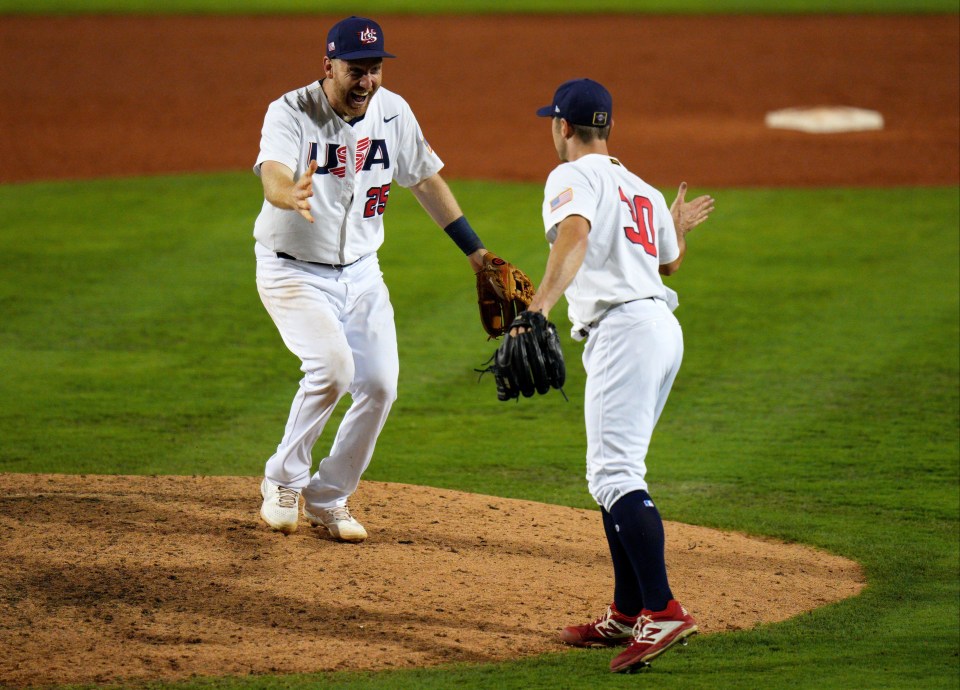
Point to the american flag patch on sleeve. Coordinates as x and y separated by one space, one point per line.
562 198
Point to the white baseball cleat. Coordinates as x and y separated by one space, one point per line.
281 506
338 521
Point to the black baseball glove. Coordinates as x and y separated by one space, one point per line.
529 361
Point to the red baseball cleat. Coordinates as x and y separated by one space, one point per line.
655 633
609 630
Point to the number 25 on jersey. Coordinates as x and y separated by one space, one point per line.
641 232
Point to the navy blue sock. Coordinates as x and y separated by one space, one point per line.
627 596
638 524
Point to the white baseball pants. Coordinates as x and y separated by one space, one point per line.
340 323
631 358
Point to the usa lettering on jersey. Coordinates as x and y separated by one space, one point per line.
370 152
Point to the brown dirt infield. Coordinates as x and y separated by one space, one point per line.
108 578
105 96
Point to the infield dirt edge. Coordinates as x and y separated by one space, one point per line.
123 578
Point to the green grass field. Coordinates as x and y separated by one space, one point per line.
818 401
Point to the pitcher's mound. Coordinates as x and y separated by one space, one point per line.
105 578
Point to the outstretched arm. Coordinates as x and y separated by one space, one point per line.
439 203
281 191
566 257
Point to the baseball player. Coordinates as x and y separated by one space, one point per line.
329 154
612 236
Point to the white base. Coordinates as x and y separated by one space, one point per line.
825 119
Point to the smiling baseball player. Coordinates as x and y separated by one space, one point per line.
612 236
329 153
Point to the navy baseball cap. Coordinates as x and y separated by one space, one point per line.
581 102
356 38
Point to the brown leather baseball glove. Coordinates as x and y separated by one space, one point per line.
503 291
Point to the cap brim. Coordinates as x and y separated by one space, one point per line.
362 55
545 111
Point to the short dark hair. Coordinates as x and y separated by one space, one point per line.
586 134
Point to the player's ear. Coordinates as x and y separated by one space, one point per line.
327 66
566 129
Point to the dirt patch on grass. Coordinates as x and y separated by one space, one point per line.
109 578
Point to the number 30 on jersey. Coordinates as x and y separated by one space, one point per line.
641 232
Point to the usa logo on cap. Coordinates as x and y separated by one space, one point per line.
356 38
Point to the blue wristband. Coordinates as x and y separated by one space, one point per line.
463 236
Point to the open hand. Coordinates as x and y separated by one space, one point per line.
689 214
302 191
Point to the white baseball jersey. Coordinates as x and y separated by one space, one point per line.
631 234
351 186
